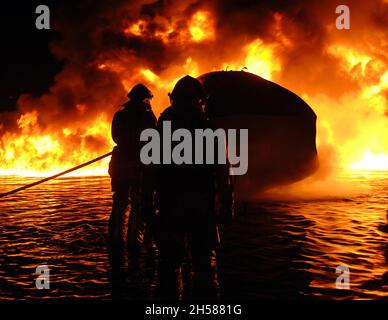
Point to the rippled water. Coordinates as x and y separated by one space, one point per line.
274 249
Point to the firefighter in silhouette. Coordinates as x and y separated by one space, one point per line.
186 202
126 170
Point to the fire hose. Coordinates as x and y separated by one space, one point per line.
54 176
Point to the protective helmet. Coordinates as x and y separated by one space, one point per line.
139 92
188 89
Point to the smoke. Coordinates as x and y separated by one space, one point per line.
108 46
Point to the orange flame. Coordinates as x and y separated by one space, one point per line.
201 26
354 125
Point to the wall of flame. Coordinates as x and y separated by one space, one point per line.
110 46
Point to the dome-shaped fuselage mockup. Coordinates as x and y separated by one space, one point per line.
281 128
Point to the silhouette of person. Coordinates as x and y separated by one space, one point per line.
186 203
126 170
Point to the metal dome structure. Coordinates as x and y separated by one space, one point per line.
282 128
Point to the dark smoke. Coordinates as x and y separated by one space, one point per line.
91 33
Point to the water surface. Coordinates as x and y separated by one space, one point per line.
274 248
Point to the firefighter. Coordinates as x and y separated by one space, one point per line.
186 201
127 172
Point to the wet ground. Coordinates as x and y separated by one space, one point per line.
273 249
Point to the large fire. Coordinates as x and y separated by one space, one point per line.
352 125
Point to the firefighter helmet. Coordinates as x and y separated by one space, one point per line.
188 89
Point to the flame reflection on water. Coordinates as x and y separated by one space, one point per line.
277 248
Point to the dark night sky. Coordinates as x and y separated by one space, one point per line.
26 62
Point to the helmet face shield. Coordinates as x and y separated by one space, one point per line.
147 100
